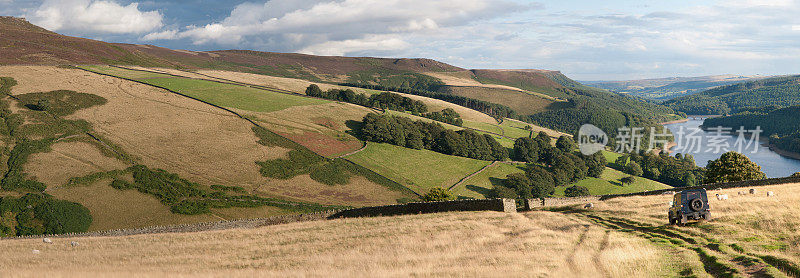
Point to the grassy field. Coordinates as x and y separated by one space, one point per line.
609 183
474 244
419 170
480 185
226 95
488 127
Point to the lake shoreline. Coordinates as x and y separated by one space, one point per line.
782 152
775 162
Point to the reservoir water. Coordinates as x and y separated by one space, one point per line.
773 164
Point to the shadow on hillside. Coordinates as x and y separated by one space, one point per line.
353 127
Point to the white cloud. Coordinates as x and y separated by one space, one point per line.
339 26
94 16
163 35
371 43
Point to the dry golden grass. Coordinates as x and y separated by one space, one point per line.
67 160
480 244
759 224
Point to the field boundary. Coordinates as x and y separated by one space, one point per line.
472 175
501 205
710 186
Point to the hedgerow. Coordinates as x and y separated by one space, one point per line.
185 197
34 214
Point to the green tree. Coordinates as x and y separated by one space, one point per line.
520 183
576 191
437 194
732 166
627 180
565 144
596 164
634 169
621 161
541 181
526 149
314 91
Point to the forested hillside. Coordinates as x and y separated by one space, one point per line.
781 125
779 92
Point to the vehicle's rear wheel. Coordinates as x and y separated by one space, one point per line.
672 221
696 204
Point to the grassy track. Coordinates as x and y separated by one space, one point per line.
419 170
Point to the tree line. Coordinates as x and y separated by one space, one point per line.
404 132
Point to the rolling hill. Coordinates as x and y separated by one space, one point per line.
772 92
123 136
662 89
529 91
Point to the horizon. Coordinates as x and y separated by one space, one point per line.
614 41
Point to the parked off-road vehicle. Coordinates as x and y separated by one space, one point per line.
688 205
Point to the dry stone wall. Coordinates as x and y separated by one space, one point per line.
504 205
557 202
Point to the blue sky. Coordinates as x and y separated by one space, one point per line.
587 40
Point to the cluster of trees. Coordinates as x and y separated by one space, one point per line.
548 167
412 134
497 111
36 214
384 100
448 116
778 92
677 171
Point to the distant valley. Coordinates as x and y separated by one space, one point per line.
661 89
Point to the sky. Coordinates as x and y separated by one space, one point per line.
586 40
